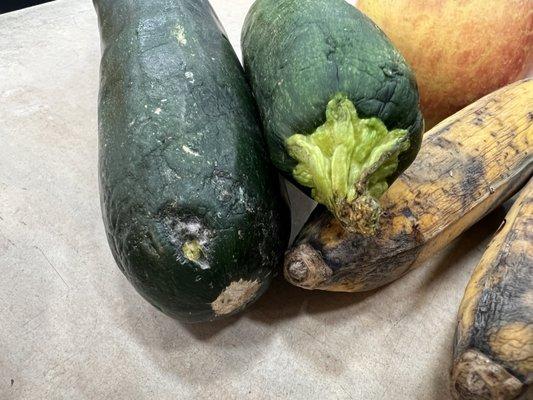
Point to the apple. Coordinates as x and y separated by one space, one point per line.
460 50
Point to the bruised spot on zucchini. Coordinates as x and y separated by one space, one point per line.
235 296
476 376
346 162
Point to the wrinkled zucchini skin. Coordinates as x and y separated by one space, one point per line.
469 164
496 315
183 161
299 53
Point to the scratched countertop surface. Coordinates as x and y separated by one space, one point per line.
72 327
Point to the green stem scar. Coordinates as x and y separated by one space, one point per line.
346 163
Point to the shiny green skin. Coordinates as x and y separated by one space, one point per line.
299 53
182 157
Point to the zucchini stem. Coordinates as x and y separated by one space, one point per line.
346 163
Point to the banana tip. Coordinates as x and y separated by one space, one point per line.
304 267
475 376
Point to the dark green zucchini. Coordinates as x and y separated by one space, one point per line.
191 207
338 102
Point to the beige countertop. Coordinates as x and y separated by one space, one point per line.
71 326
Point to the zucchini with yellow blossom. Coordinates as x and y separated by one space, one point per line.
469 164
493 349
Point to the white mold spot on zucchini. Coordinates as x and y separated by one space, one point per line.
190 76
179 34
243 199
190 151
191 240
235 296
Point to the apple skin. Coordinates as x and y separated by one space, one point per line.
460 50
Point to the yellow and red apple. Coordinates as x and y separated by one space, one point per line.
460 50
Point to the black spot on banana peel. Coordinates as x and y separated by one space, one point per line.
461 174
493 349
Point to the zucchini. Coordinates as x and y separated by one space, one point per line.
338 102
469 164
493 349
191 206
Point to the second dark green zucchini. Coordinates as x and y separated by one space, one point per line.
338 102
